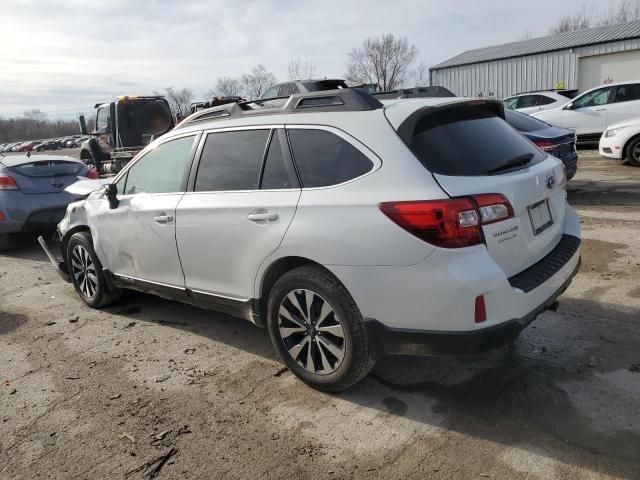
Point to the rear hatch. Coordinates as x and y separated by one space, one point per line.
470 149
44 176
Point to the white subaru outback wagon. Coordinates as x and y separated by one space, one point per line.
350 228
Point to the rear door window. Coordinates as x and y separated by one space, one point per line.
527 101
468 141
627 93
323 158
231 161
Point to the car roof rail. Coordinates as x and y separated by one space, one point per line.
340 100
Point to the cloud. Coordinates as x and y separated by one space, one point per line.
65 56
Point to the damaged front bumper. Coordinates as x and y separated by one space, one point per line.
59 265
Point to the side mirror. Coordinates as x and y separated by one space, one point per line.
111 192
83 125
568 106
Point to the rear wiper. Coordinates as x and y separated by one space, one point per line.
519 161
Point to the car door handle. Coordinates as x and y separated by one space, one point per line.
601 110
163 219
263 217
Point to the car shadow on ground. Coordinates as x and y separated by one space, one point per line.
520 396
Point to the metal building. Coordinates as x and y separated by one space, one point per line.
573 60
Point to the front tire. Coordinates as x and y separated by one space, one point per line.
317 329
633 152
86 273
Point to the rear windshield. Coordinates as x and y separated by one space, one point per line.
524 123
53 168
468 141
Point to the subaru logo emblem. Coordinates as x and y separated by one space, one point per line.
551 182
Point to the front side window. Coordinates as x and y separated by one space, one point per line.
231 161
627 93
323 158
160 170
593 99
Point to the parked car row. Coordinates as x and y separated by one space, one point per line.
43 145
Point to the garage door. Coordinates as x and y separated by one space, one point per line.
613 67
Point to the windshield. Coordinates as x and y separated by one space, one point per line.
52 168
468 141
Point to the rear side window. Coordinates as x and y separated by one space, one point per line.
627 93
527 101
544 100
53 168
468 141
231 161
324 159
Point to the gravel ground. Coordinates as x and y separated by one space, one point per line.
152 387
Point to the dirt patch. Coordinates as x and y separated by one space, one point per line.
602 258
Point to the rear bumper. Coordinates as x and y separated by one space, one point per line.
390 341
31 212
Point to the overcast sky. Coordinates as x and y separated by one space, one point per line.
63 56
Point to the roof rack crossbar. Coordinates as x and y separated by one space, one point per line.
340 100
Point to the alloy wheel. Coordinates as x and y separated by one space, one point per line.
311 331
84 271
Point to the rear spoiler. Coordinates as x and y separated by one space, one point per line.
408 126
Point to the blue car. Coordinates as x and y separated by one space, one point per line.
556 141
32 195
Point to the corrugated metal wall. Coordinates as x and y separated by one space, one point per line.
503 78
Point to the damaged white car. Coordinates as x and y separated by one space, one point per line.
352 229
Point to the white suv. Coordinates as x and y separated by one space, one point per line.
538 101
352 229
591 113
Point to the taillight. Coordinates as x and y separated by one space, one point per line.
2 217
450 223
92 174
7 183
545 145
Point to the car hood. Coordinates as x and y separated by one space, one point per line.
82 188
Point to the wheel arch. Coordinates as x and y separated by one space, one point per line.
275 270
67 236
625 149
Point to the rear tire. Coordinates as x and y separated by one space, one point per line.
86 273
633 152
317 329
5 242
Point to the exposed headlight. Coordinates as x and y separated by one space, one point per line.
614 131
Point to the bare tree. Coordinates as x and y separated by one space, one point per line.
299 70
576 21
228 87
382 60
624 11
179 100
35 125
255 83
421 75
